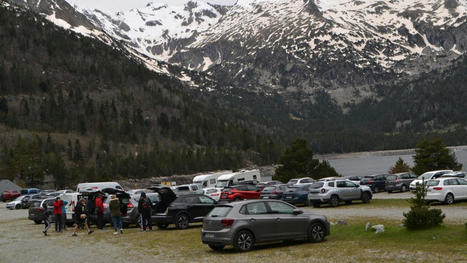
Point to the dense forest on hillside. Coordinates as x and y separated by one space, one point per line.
121 119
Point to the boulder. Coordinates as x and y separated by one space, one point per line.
378 228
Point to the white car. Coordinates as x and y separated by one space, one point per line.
214 193
16 204
300 181
447 190
427 176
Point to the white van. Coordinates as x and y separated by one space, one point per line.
208 180
98 186
227 180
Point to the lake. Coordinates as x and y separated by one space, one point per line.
366 163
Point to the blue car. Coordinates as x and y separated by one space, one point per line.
297 195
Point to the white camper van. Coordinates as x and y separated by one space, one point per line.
227 180
208 180
98 186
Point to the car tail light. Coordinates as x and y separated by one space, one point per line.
371 182
106 205
275 192
398 180
227 222
438 188
323 190
39 209
130 205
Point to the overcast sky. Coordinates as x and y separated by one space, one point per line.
120 5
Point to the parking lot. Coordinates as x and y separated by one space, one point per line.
22 241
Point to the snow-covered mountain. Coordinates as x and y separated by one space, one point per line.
287 46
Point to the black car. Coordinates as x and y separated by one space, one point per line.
273 191
184 210
377 183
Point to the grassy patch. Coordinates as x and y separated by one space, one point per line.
347 243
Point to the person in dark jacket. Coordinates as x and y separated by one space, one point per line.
144 209
81 216
100 212
114 206
45 216
58 204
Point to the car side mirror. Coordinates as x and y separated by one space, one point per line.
297 211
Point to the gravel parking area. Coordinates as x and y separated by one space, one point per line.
22 241
394 195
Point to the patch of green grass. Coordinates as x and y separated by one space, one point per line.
347 243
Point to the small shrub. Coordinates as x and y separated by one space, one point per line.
420 214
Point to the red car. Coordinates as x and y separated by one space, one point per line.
240 192
10 195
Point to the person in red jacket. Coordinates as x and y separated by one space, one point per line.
58 204
100 212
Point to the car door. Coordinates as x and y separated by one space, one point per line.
454 187
194 206
253 192
287 224
342 190
207 203
354 191
462 187
260 221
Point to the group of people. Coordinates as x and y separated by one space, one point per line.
82 211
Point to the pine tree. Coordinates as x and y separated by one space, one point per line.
399 167
434 155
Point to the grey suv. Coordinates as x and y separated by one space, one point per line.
399 182
244 223
335 191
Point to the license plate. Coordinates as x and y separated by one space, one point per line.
209 236
288 197
265 197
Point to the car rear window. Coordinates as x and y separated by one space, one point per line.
391 178
317 185
36 204
220 211
432 183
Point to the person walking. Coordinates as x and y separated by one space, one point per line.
58 204
81 217
45 217
116 214
100 212
144 209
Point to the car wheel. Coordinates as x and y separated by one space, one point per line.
365 197
403 188
389 191
216 247
334 201
307 202
162 226
316 204
348 202
316 232
37 221
376 189
449 199
18 206
243 241
237 199
182 221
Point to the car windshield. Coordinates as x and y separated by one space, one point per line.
293 181
19 198
317 185
391 178
425 176
220 211
432 183
222 184
269 188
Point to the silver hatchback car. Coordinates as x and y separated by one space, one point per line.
337 190
245 223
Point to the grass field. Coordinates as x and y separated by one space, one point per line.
347 243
